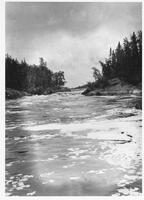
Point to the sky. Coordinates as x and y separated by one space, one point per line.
71 37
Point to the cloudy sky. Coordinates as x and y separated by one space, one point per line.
71 37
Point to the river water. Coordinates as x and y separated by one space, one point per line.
69 144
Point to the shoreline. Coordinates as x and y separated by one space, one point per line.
15 94
114 87
118 88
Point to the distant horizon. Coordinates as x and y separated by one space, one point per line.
71 37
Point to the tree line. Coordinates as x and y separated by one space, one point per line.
124 62
24 77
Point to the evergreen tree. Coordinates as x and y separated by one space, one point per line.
21 76
125 62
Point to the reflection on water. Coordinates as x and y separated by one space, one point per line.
69 144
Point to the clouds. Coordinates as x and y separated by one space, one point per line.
70 36
78 18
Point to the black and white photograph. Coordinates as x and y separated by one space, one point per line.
73 98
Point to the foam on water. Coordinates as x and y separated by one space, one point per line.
31 193
75 141
90 124
47 174
75 178
18 182
121 155
103 130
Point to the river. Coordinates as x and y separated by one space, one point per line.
67 144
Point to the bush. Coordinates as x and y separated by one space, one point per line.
37 90
100 83
13 94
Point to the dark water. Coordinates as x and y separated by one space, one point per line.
69 144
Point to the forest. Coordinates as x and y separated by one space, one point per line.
124 62
34 79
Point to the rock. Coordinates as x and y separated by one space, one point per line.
85 92
114 81
98 93
136 91
13 94
114 87
138 105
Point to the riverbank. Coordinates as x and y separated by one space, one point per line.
117 87
14 94
114 87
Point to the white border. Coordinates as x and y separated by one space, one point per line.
2 108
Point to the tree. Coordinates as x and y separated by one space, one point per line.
96 74
125 62
139 44
21 76
58 79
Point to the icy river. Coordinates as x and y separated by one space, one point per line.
67 144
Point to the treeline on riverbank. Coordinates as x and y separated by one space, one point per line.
24 79
122 67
